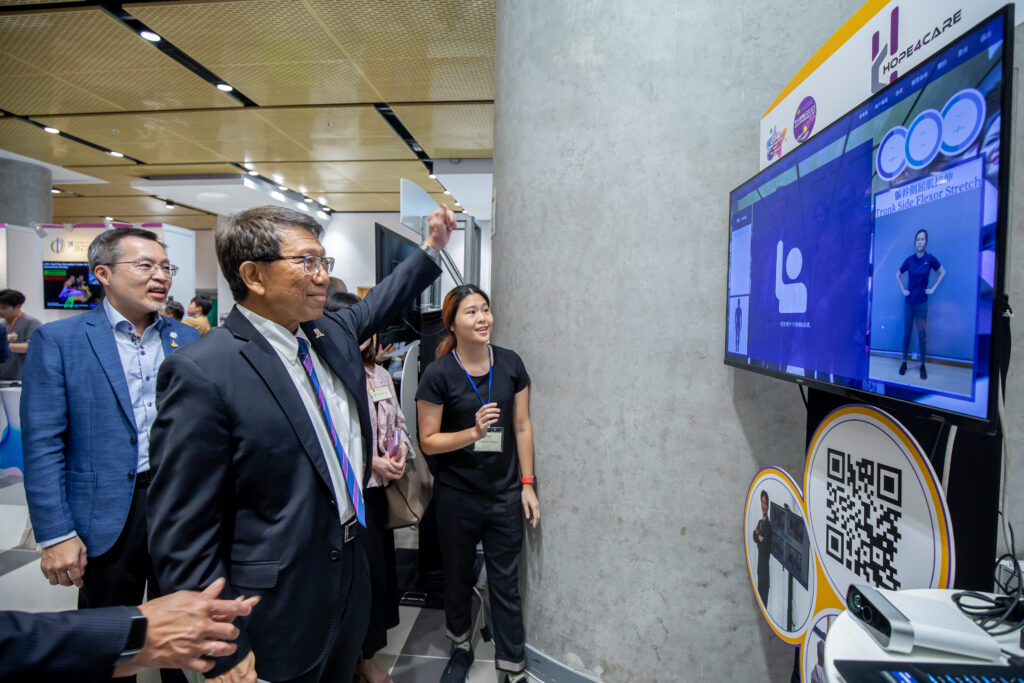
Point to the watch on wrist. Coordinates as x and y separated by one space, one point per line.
136 640
429 251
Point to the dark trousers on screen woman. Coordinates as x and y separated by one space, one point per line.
465 518
915 314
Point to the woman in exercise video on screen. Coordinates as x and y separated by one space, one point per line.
473 406
918 267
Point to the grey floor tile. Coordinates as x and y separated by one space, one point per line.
426 637
413 669
13 559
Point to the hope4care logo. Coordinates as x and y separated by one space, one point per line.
885 59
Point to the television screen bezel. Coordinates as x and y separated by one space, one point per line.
990 423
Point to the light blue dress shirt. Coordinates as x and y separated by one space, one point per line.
140 359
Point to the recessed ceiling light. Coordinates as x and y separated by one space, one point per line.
253 172
432 176
278 196
54 190
282 187
51 130
248 166
169 204
115 154
448 193
150 36
321 199
458 204
321 214
224 87
108 218
302 207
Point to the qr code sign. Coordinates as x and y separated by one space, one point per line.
863 511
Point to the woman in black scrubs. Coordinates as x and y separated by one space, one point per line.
473 406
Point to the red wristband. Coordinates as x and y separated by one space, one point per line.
528 480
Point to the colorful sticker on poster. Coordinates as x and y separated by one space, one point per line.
803 122
775 140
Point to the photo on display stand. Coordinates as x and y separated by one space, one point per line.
779 555
813 654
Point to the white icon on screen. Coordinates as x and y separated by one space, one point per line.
792 296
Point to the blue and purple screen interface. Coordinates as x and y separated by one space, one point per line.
866 257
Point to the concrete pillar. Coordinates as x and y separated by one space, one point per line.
620 130
25 196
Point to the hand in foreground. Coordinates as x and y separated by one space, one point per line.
185 625
442 223
64 563
485 417
388 468
243 672
531 508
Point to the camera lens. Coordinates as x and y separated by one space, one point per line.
855 602
867 614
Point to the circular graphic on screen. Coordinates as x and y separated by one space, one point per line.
923 138
877 514
780 556
962 118
892 154
812 654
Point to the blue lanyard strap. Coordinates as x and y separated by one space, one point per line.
490 375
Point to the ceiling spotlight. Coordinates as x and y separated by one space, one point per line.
432 176
253 171
224 87
321 214
248 166
448 193
277 195
54 190
169 204
51 130
321 199
150 36
108 218
302 189
282 187
115 154
458 204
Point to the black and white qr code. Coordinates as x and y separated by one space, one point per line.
863 512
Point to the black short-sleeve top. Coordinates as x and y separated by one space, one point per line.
445 383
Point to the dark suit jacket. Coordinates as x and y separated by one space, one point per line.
242 490
78 428
62 646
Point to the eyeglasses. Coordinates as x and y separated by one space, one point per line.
148 267
310 264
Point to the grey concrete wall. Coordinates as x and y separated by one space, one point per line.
25 196
620 130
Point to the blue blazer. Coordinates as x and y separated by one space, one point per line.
78 428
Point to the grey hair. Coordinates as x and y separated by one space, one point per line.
254 235
106 248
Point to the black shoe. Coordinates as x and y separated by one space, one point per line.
924 373
903 368
458 666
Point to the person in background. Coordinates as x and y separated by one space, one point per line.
391 447
197 311
177 631
174 310
19 330
473 404
335 285
87 404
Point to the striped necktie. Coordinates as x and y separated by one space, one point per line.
354 494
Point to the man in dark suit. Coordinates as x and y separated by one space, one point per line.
86 409
262 442
763 540
174 631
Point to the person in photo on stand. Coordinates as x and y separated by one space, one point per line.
473 406
918 267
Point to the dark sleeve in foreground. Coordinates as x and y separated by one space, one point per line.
62 646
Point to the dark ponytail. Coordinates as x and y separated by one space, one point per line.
450 308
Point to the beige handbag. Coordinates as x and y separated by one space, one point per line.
409 495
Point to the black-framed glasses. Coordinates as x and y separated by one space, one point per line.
310 264
148 267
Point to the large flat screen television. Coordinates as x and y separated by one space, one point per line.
391 249
70 285
870 260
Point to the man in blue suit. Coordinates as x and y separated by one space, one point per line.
88 402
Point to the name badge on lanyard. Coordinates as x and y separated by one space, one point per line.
380 393
492 441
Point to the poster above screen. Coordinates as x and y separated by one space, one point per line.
880 42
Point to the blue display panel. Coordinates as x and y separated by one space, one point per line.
869 258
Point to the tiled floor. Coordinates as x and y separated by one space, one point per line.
417 648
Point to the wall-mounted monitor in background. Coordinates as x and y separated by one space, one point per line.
70 285
870 260
391 249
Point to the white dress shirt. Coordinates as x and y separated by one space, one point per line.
343 409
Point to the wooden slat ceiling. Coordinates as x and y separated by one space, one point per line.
312 71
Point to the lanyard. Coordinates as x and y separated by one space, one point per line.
490 375
11 326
